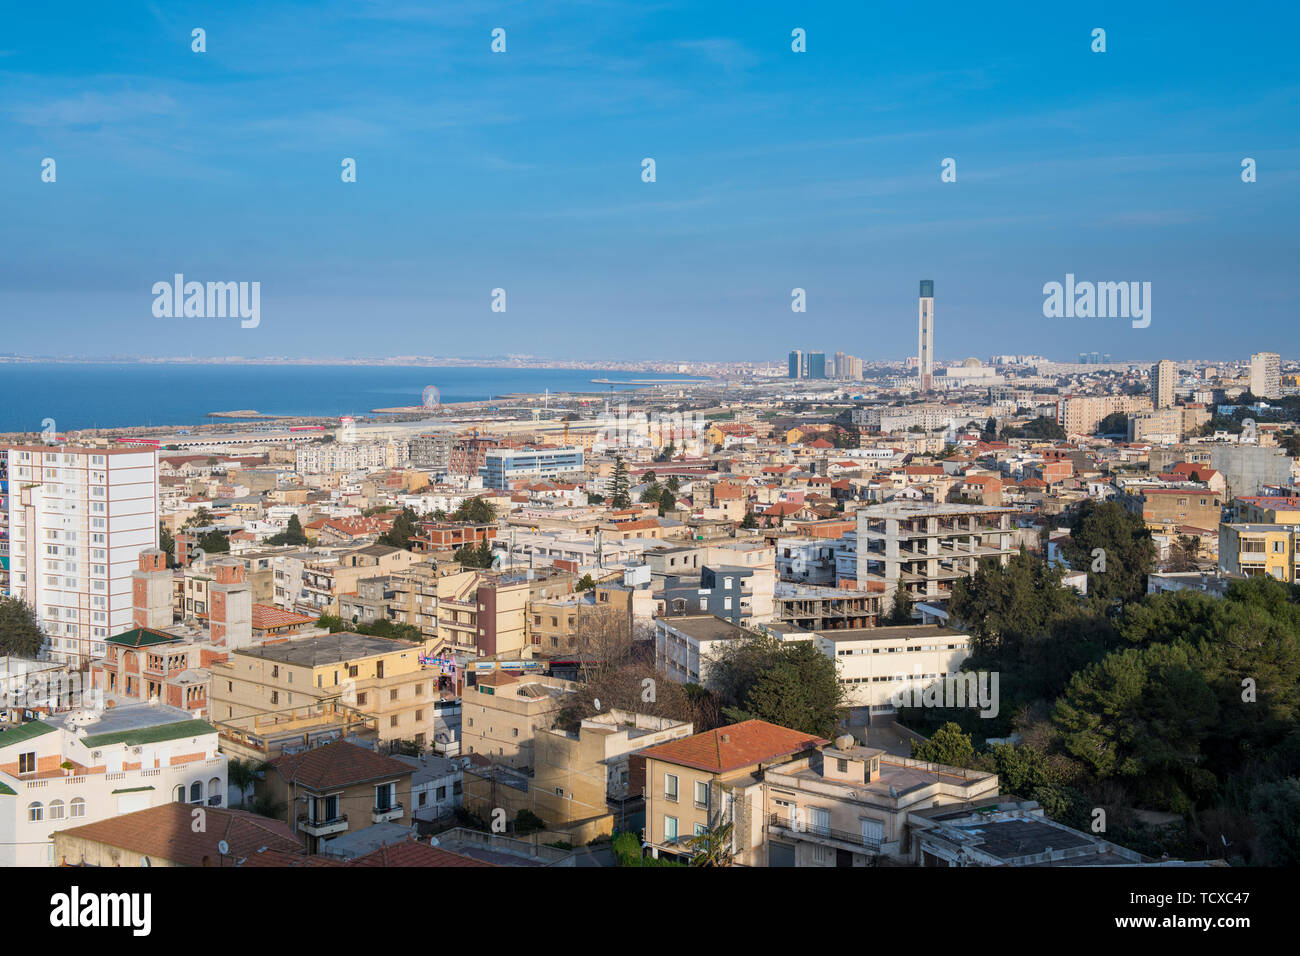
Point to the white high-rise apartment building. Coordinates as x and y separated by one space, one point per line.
925 335
73 522
1164 376
1266 375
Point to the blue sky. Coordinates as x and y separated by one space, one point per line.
522 171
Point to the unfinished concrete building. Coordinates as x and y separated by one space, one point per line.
928 547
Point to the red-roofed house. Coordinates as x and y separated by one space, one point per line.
1190 471
337 788
702 781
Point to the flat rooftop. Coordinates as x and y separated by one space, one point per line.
129 717
705 627
907 632
327 649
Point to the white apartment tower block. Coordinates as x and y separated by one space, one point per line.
73 522
925 335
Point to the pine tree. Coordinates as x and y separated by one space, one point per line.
620 497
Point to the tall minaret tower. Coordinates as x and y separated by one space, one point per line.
925 337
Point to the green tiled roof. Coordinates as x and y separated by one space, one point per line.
142 637
7 791
33 728
132 789
152 735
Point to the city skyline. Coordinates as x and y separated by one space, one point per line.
522 171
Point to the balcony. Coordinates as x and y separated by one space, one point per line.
385 814
323 828
778 823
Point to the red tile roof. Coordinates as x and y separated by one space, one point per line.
265 617
735 746
166 833
337 765
414 853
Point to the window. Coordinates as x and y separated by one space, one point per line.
384 796
56 809
392 694
873 832
424 796
841 765
27 762
514 731
670 787
361 700
196 792
702 794
35 812
392 721
820 820
442 793
701 829
77 807
670 829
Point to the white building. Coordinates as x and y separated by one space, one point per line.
351 456
925 336
73 522
435 786
83 767
877 663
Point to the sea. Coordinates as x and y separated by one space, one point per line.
106 395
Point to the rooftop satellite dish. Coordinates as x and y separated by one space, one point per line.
223 847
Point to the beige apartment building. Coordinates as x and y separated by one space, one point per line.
335 789
1168 425
1164 376
417 594
1081 415
580 779
699 783
502 714
846 805
576 775
296 686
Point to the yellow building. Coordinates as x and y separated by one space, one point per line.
501 715
705 781
1258 549
335 789
1268 510
325 679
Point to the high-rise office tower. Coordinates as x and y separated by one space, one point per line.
796 364
925 337
1266 375
73 522
816 364
1164 375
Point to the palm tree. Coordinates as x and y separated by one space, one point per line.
244 774
713 846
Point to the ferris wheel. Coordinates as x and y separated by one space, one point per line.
432 399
